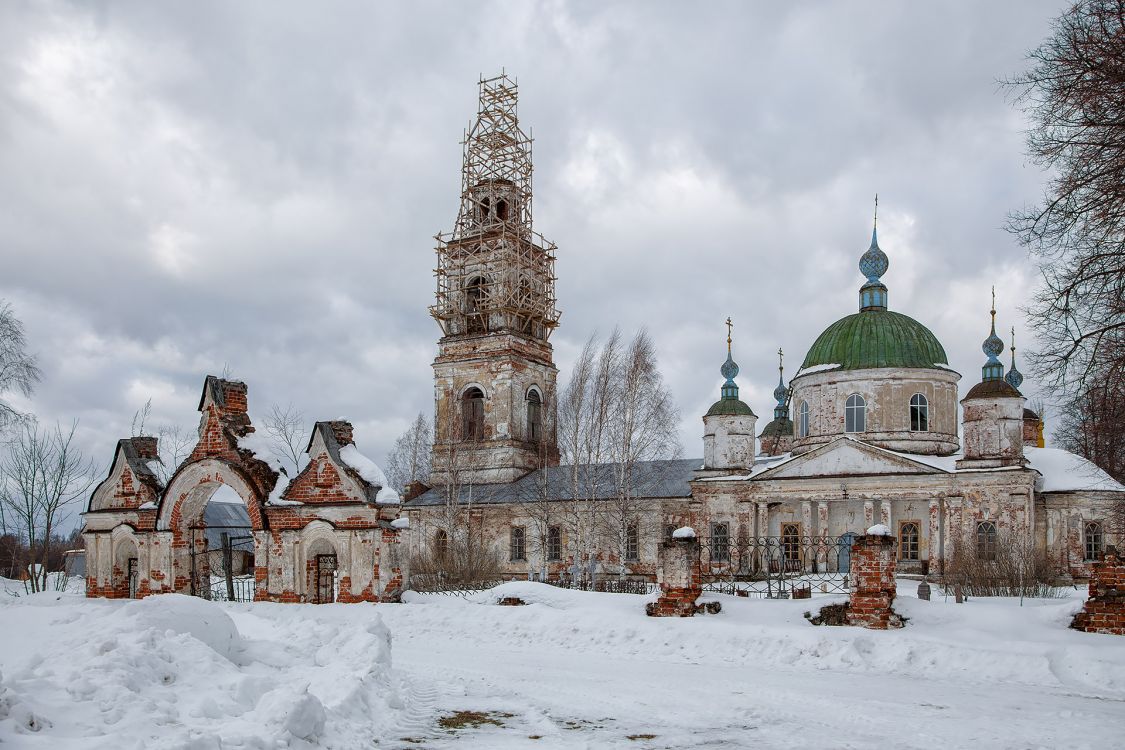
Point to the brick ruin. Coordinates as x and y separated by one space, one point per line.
144 538
680 577
1104 611
873 583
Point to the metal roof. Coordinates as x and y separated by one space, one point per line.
876 338
651 479
225 517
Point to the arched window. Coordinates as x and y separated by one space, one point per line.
908 540
855 414
485 209
534 416
791 544
632 543
474 305
986 541
919 413
720 542
803 420
554 543
472 415
502 210
517 544
441 544
1095 540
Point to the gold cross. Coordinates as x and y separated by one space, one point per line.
730 325
780 360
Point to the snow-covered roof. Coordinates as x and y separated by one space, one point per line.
1064 471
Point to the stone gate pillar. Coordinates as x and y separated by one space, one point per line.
680 577
873 581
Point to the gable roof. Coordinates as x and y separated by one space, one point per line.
663 479
843 456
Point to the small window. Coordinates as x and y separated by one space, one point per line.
720 542
908 540
986 541
803 420
472 415
502 210
1095 541
534 416
554 543
791 541
632 543
517 544
919 413
855 414
441 544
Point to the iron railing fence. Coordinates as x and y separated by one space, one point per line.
776 567
224 573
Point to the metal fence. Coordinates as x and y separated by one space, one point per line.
435 583
222 563
776 567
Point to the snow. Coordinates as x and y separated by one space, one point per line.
370 472
878 530
259 446
178 672
684 532
817 368
401 523
574 669
150 505
1064 471
155 466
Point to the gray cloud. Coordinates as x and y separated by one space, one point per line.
258 184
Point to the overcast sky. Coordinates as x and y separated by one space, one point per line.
256 185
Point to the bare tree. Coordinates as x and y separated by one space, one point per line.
1074 94
409 460
173 442
18 369
42 474
287 431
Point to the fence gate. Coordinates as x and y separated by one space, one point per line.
776 567
222 563
325 579
133 577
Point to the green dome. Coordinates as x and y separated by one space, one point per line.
876 338
783 427
729 407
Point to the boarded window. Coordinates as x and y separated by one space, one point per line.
534 416
472 415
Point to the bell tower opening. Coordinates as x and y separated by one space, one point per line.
495 305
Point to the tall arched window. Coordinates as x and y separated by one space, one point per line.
986 541
517 544
632 543
472 415
441 544
554 543
534 416
919 413
1095 540
474 305
855 414
803 420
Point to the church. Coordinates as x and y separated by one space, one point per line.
871 429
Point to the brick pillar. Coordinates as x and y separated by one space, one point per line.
681 581
873 583
1104 611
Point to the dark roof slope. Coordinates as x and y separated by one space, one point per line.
654 479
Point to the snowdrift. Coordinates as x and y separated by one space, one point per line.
179 672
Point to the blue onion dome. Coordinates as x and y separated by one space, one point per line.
780 392
874 263
993 347
729 403
1014 376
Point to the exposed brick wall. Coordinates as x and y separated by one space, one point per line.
680 577
873 583
1104 611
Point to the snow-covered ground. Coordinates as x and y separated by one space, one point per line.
571 670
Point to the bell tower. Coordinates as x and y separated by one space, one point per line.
494 375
